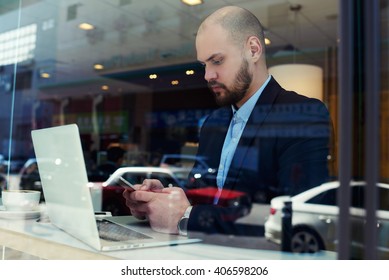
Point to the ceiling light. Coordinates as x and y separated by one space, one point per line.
267 41
98 66
305 79
86 26
105 87
192 2
153 76
189 72
45 75
175 82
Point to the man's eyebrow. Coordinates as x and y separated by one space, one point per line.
210 58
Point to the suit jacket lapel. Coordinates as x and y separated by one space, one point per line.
214 134
245 149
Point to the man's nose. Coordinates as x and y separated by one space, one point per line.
210 75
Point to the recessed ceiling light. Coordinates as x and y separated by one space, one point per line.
267 41
45 75
98 66
189 72
175 82
192 2
153 76
86 26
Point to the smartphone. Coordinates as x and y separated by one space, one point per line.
125 184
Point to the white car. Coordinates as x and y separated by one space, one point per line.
107 196
202 175
315 219
168 176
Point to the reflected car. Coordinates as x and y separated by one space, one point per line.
30 178
177 160
315 218
202 174
14 165
113 201
237 200
29 174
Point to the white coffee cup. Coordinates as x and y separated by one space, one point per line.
20 200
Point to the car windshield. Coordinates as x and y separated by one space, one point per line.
165 179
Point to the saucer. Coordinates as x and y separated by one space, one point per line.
19 215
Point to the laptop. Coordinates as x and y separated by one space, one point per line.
68 198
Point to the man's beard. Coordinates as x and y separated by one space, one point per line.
238 89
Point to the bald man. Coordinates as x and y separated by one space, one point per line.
261 138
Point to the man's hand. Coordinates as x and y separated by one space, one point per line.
133 205
162 206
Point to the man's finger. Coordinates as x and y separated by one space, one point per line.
171 190
142 196
151 185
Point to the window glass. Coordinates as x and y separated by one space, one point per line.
383 196
357 196
325 198
136 177
131 79
165 179
383 154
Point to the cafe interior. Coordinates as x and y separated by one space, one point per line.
126 72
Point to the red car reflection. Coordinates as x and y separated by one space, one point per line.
113 201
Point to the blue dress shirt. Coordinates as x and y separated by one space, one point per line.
235 130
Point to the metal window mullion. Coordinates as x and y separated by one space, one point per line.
345 110
372 91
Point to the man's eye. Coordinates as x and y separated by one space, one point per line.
217 62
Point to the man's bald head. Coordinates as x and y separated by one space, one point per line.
238 22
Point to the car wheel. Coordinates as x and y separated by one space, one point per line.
305 240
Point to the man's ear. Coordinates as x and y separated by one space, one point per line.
255 47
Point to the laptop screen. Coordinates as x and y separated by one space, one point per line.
64 181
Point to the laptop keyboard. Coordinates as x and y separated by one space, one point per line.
114 232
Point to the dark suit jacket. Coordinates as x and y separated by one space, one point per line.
284 147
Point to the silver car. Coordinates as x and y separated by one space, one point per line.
315 217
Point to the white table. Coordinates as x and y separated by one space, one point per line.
45 241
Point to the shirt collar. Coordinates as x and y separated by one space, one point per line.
244 112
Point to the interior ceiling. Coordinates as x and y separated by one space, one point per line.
134 35
7 6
